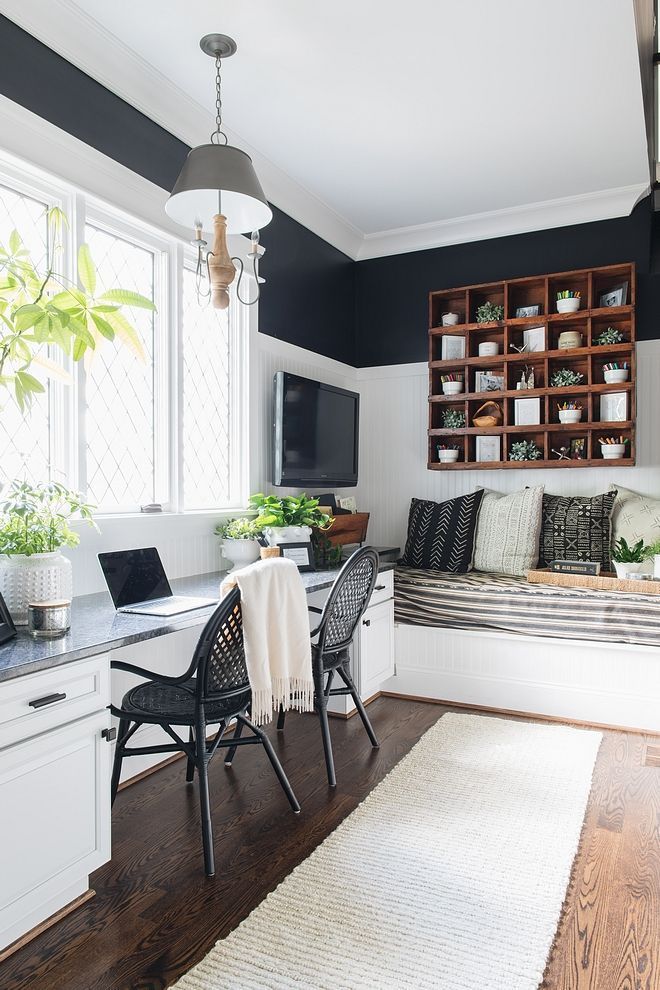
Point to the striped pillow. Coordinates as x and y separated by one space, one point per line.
441 534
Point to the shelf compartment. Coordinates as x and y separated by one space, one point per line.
447 301
621 323
598 361
579 281
479 294
522 365
578 324
486 333
608 281
525 293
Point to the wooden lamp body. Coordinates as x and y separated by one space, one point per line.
221 267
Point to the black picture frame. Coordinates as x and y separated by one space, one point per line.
7 627
303 558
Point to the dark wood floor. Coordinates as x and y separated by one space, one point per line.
155 914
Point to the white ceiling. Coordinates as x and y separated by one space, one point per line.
456 119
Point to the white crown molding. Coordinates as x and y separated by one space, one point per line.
602 205
64 27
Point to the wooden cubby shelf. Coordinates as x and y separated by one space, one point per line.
454 351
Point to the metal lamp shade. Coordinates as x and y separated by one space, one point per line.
219 179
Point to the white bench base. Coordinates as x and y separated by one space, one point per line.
609 684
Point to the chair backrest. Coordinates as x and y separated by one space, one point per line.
347 601
219 659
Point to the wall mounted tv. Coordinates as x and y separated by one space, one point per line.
315 433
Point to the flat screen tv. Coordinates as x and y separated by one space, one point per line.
315 433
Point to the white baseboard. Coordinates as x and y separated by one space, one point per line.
616 685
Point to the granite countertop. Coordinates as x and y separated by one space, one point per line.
96 627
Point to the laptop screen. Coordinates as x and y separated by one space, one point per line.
134 576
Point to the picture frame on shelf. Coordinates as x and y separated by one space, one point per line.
578 448
534 339
616 296
302 555
453 347
527 412
488 448
486 381
7 627
614 407
523 311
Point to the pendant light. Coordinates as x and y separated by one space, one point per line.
218 192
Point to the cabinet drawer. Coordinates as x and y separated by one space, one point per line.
384 587
38 702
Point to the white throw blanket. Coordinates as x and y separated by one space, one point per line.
278 651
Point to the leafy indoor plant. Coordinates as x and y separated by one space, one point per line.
652 552
34 526
41 308
289 518
629 559
525 450
453 419
490 312
610 335
240 540
565 377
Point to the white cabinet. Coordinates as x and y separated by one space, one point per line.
376 648
54 795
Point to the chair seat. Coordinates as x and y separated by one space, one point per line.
175 703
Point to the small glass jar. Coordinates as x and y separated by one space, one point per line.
47 620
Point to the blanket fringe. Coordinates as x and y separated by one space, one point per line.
291 693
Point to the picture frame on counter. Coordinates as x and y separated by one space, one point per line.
614 407
7 627
302 555
453 347
488 449
527 412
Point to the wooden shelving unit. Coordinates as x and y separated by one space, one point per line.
509 364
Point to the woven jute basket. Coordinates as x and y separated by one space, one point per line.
490 414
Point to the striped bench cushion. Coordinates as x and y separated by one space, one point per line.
509 604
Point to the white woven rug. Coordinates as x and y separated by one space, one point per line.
451 875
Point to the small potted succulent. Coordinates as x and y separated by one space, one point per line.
629 559
239 537
453 419
568 301
610 335
447 453
288 519
525 450
34 526
490 312
565 377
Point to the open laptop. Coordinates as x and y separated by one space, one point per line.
137 583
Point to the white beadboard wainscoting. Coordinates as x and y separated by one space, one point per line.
394 421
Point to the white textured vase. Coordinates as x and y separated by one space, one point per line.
623 570
40 577
240 552
287 534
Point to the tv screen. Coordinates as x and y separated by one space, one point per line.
315 433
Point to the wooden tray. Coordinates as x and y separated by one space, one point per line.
350 528
606 581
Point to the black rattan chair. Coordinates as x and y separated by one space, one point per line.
213 691
345 606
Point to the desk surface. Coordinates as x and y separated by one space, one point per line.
96 627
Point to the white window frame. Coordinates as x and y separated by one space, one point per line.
67 419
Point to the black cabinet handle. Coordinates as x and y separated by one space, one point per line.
366 622
379 587
109 734
48 699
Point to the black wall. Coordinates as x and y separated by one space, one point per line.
364 313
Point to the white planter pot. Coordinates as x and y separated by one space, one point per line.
240 552
41 577
612 451
287 534
616 375
447 456
623 570
452 388
568 305
570 415
656 566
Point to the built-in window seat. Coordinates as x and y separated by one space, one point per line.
508 604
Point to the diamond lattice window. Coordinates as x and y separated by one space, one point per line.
119 388
24 441
206 397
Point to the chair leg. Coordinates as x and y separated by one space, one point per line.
190 763
119 757
277 766
280 719
204 798
348 681
322 707
231 752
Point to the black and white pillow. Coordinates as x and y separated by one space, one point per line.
577 528
441 534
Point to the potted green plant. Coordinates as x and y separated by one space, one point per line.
490 312
629 559
34 526
288 519
525 450
652 553
239 537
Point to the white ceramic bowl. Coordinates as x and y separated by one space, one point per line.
616 375
489 348
611 451
449 319
570 415
568 305
452 388
447 456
